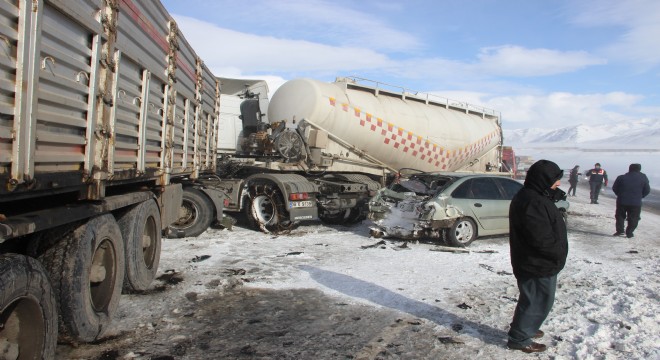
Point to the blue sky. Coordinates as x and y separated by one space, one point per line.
546 64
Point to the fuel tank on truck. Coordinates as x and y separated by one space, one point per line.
400 129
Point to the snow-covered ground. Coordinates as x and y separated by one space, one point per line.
453 304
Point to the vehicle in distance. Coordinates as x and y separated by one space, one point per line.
455 207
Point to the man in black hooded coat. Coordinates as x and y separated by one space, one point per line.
630 188
539 247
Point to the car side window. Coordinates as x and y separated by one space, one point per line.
509 187
463 191
486 189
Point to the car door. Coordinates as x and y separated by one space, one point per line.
509 188
482 199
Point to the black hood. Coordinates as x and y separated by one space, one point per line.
541 175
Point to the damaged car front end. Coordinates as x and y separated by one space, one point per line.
409 208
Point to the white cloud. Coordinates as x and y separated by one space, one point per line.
562 109
224 50
517 61
638 44
494 62
333 23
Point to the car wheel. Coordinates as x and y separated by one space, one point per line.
462 233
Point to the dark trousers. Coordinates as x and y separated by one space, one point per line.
534 304
630 213
573 187
595 190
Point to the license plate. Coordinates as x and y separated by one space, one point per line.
299 204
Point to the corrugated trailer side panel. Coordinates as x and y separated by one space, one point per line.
197 92
52 120
10 75
141 56
93 101
185 104
209 120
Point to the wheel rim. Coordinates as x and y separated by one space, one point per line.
24 322
149 242
264 209
103 275
464 231
187 215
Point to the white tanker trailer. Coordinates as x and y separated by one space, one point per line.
323 149
397 129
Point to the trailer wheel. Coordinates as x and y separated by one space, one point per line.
462 233
195 215
86 269
141 231
265 209
28 310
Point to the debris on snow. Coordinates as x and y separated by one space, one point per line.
449 340
382 242
294 253
403 246
464 306
171 277
236 271
451 249
200 258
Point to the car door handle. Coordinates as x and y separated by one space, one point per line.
477 205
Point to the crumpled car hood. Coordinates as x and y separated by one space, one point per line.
402 215
411 212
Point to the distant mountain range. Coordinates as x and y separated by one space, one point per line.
639 134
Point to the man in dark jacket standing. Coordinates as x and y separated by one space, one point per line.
539 246
630 188
597 177
573 177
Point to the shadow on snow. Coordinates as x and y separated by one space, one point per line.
376 294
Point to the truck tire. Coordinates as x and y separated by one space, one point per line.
462 233
28 310
195 215
141 231
86 268
265 209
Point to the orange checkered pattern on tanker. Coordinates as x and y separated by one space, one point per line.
415 145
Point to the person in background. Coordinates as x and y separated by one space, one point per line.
630 189
597 176
539 246
573 179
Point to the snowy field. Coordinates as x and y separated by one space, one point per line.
399 300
